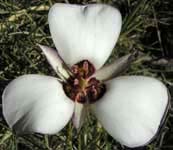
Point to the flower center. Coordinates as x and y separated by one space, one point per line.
82 87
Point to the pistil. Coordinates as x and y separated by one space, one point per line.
81 87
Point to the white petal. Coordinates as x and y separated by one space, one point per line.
132 109
115 68
36 103
55 60
79 115
84 32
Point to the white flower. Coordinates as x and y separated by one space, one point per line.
130 108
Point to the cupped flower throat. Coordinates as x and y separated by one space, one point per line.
82 87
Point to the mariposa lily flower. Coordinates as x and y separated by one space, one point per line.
130 108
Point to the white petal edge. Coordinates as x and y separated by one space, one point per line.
79 115
55 60
132 109
36 103
113 69
84 31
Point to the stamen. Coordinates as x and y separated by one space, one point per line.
76 82
86 67
81 87
80 97
75 69
94 91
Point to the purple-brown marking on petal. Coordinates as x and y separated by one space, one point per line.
81 87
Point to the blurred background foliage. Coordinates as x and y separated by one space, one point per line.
147 27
